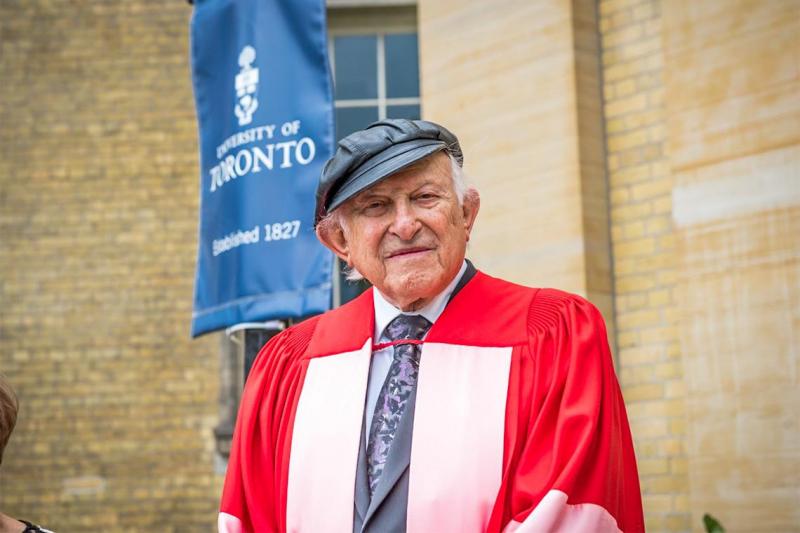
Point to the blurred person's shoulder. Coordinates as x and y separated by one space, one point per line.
12 525
33 528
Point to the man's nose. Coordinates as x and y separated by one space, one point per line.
405 224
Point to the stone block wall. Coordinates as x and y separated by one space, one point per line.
732 86
518 82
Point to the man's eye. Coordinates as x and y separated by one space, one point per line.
372 207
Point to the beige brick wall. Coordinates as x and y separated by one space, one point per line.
640 183
98 205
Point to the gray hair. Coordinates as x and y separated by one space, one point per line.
333 219
8 413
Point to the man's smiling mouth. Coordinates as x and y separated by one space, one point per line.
408 252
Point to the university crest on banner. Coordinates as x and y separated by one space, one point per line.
265 113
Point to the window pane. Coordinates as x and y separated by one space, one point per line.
356 66
403 111
402 66
351 289
350 119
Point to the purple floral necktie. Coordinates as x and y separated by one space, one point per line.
396 391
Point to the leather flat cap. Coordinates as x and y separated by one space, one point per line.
385 147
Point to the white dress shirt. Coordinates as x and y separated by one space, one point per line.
382 359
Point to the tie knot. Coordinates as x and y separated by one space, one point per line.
405 327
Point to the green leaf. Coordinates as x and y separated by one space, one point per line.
712 524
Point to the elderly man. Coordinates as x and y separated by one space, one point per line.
440 400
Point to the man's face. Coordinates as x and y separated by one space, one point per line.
407 234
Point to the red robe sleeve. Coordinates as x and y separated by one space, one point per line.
254 494
569 463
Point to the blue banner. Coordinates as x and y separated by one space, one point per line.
265 112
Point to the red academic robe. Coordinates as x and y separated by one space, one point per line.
519 421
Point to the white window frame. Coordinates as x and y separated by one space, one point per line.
381 102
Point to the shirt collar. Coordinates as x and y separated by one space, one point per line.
386 312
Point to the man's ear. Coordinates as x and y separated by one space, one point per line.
332 236
470 208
